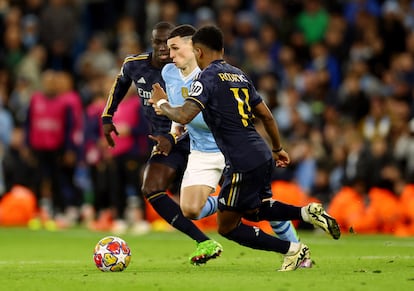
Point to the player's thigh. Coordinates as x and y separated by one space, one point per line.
157 177
161 171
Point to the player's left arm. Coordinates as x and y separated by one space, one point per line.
182 114
262 112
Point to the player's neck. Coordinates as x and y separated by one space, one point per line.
208 59
188 69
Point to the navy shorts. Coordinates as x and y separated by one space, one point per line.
245 191
178 157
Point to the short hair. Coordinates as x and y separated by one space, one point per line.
163 25
209 36
182 31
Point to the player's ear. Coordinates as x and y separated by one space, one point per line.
197 52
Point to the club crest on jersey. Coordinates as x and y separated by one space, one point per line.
196 88
184 92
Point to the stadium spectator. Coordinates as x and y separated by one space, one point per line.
352 102
58 29
30 31
304 163
322 60
353 7
267 86
256 60
270 43
12 52
292 112
233 45
96 159
391 28
377 122
313 21
19 166
95 60
336 38
49 128
403 150
357 159
28 80
126 40
70 164
32 65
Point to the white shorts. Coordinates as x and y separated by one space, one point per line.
203 169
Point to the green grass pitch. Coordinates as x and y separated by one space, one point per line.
62 260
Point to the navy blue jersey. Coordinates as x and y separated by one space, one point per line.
138 69
226 97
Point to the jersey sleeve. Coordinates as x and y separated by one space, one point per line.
200 87
119 88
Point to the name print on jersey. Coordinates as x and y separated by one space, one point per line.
232 77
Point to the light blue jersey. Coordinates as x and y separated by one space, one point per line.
177 87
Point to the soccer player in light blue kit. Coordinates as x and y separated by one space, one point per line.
205 162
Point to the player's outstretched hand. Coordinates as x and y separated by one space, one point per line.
282 159
108 129
158 93
163 145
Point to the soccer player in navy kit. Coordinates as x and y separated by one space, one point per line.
205 162
169 156
229 103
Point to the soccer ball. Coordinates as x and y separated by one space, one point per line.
112 254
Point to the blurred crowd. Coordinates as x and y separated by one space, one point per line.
337 75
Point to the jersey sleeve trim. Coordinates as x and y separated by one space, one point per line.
136 58
108 105
198 102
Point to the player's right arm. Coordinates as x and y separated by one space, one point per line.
262 112
118 91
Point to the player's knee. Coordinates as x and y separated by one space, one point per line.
253 215
225 229
147 192
149 188
190 211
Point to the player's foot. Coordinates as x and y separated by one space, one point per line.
292 262
318 217
205 251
